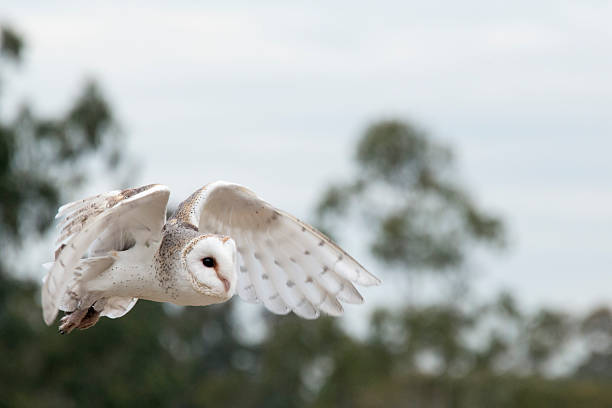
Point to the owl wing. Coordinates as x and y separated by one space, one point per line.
90 230
284 262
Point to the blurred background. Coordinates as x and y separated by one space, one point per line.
460 151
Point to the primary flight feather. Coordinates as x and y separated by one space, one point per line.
117 247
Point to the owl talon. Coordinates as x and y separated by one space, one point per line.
90 319
72 320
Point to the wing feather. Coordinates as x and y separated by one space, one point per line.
246 289
118 306
89 219
263 285
284 262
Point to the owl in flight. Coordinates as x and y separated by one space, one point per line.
117 247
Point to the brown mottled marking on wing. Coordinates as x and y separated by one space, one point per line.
59 250
129 192
81 223
187 210
89 209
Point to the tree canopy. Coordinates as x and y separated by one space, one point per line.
406 193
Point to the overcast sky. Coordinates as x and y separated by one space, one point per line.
274 96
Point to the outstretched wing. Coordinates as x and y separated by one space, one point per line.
284 262
90 230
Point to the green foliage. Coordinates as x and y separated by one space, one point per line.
484 391
148 358
193 357
597 331
400 154
548 332
11 44
40 157
420 216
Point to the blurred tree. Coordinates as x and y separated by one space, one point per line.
35 153
597 331
34 156
405 190
548 333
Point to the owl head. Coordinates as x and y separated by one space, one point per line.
210 261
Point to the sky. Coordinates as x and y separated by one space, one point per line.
274 96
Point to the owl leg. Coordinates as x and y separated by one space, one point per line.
79 319
90 319
72 320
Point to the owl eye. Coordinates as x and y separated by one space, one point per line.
208 262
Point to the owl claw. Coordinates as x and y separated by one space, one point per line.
69 322
90 319
79 319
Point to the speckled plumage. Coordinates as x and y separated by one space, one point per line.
175 236
186 210
115 248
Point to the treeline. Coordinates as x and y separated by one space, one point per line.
431 356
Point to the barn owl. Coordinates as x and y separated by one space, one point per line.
117 247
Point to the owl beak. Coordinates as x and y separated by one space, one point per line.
226 282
